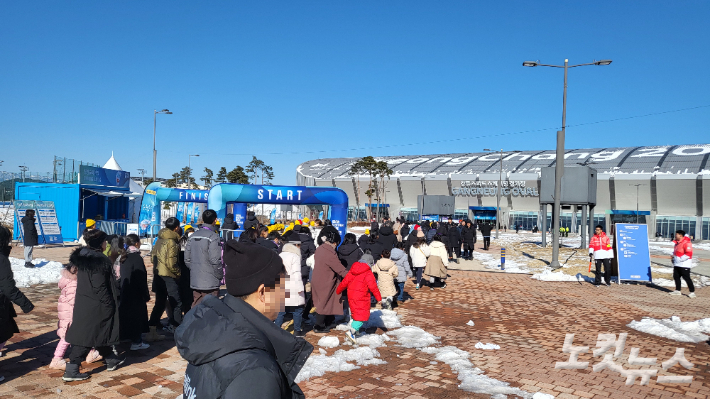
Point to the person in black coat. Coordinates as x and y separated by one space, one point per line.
374 227
9 293
251 221
349 252
233 347
386 236
95 318
229 225
308 248
468 236
404 230
486 229
133 311
375 247
363 240
264 241
29 235
454 245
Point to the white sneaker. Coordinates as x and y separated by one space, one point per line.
349 336
139 347
691 295
675 293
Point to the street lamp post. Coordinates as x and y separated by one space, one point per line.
189 171
500 186
637 201
560 157
142 172
155 153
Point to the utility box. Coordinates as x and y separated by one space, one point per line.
579 186
435 204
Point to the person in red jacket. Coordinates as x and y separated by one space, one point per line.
359 282
682 262
600 248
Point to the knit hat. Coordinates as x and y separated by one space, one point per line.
248 266
367 259
90 222
305 221
293 239
298 222
367 232
420 233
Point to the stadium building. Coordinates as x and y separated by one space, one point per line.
669 185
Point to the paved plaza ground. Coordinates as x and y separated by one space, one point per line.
527 318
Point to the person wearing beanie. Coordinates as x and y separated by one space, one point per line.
233 347
96 313
90 225
325 279
363 240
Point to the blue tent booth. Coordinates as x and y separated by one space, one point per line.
241 194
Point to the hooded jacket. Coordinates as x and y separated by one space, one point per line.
29 231
419 255
404 231
386 271
454 237
65 304
133 309
95 317
360 282
349 254
291 257
387 237
683 253
485 229
430 235
362 241
165 253
236 352
402 260
203 256
251 221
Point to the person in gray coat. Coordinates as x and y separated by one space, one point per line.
399 256
203 256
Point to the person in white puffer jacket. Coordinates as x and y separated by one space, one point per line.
419 252
296 300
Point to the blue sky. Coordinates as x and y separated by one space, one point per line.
318 79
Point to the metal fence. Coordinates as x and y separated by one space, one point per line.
66 170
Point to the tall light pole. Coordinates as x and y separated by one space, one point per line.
500 186
155 153
560 157
142 172
637 201
23 169
189 170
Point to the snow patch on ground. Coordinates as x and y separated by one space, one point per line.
698 281
44 272
488 346
470 323
549 275
491 262
383 318
673 328
341 360
414 337
373 340
329 342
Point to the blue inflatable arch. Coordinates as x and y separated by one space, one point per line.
222 194
155 194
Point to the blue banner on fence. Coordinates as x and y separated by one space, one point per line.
190 210
100 177
273 216
180 211
196 215
633 253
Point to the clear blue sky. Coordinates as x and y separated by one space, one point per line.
81 79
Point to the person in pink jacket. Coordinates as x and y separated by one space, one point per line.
65 311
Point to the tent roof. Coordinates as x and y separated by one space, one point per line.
112 164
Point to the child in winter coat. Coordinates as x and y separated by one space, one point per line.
65 311
360 283
386 271
403 270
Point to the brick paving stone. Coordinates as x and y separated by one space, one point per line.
527 318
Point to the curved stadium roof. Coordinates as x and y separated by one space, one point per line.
671 159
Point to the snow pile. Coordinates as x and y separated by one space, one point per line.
341 360
373 340
329 342
470 323
549 275
488 346
382 318
698 281
414 337
660 250
673 328
491 262
44 272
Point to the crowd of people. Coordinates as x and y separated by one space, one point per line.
304 271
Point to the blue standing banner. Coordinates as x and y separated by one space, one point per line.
632 252
180 211
47 217
190 209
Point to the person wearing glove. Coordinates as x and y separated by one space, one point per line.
600 250
682 262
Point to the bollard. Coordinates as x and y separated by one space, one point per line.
502 259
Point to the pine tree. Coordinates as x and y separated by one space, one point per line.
221 175
207 179
238 176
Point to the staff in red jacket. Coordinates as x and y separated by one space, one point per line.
682 262
359 282
600 249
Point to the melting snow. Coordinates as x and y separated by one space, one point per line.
488 346
673 328
44 272
373 340
329 342
470 323
383 318
414 337
317 365
548 275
